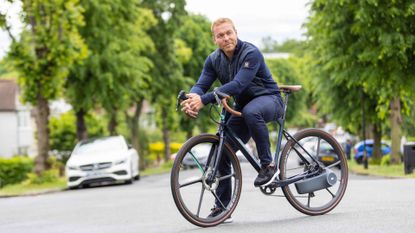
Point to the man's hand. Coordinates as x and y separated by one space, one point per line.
192 105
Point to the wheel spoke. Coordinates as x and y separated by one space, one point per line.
191 182
334 164
200 200
308 200
197 162
328 190
226 177
318 147
217 198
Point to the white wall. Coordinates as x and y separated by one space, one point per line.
8 134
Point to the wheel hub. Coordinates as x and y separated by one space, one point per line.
209 183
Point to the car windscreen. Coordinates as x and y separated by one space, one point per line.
102 144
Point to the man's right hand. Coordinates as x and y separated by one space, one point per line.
188 110
192 105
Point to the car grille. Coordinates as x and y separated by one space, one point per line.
74 178
120 173
95 166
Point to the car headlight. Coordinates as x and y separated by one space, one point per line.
122 161
72 167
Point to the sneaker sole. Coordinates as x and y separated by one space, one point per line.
228 220
271 180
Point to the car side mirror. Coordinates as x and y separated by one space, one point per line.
130 146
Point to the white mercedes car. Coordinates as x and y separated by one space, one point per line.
102 160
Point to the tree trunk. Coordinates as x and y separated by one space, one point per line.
166 135
112 124
135 129
42 119
377 138
395 122
81 129
189 134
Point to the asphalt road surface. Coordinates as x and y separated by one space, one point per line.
370 205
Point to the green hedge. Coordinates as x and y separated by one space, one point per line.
14 170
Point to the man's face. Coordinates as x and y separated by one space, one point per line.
225 37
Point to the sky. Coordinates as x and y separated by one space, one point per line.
254 20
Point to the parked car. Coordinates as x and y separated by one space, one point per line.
326 153
358 149
201 153
101 160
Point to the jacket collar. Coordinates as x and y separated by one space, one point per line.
238 47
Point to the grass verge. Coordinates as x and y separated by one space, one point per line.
393 171
163 168
25 188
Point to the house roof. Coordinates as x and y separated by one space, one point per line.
8 93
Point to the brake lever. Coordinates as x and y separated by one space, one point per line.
180 96
218 100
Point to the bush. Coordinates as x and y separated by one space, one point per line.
156 150
14 170
47 176
385 160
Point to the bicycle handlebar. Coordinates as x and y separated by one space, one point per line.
223 98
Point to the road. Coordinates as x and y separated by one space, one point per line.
370 205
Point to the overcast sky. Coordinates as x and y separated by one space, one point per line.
254 19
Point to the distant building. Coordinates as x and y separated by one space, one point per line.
276 55
16 123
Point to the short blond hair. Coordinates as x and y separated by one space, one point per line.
222 21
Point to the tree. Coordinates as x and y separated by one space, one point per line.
167 72
286 72
368 44
42 55
63 130
195 32
115 74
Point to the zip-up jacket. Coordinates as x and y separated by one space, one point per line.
244 77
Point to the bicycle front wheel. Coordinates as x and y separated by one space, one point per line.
296 160
195 191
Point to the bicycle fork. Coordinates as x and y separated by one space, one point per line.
217 156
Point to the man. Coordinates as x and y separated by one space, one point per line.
241 69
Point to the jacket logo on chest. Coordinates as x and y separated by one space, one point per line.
246 64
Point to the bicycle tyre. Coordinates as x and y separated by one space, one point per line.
333 194
184 193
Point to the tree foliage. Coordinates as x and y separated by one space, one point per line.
369 45
42 55
116 69
195 32
286 72
167 72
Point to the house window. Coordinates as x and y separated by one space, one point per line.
23 119
23 150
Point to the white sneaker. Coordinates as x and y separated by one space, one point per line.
273 178
228 220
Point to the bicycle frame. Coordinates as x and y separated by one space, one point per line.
224 131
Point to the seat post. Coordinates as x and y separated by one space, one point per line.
287 94
281 122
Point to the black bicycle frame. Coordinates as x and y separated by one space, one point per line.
224 131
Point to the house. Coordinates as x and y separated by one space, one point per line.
16 123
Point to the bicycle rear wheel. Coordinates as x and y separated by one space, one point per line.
329 154
193 193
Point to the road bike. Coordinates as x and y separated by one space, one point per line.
312 166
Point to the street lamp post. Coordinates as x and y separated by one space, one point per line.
365 158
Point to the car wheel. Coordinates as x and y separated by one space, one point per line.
359 160
137 177
73 187
130 181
